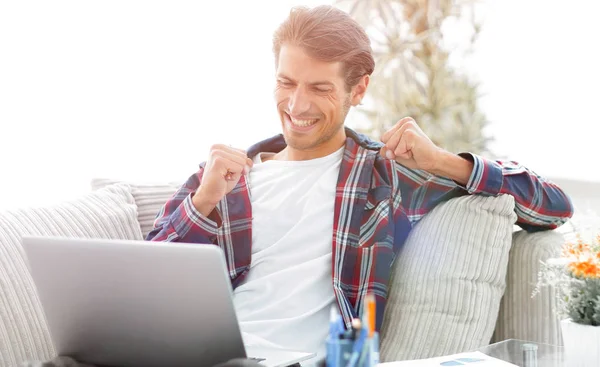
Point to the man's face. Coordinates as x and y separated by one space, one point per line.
311 99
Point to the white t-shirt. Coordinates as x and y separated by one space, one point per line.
286 298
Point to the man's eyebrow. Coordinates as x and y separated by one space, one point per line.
282 76
285 77
317 83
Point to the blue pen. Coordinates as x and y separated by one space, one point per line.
335 330
336 324
358 347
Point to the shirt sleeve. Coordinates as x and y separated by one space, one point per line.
180 221
539 203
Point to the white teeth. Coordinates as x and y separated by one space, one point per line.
302 123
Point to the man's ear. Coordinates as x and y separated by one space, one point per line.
359 90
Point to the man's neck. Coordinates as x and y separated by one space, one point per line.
291 154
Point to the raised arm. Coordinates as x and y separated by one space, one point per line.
180 221
189 216
427 175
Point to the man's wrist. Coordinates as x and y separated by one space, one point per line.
204 206
453 167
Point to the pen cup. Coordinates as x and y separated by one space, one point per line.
339 352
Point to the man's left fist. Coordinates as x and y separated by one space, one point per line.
406 143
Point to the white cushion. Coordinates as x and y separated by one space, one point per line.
109 213
448 280
149 198
524 313
522 316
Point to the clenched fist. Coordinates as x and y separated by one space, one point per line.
223 169
406 143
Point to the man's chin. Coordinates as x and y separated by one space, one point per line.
298 142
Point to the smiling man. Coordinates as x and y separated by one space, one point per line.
313 217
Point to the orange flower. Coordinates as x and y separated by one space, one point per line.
569 250
580 248
575 250
585 269
583 247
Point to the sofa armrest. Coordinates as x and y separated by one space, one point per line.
521 315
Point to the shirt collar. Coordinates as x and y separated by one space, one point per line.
277 143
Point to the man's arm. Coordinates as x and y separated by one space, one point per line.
454 167
190 216
428 175
180 221
539 204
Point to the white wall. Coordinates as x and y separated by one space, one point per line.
128 89
585 196
539 62
140 89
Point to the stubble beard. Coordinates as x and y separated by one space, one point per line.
326 136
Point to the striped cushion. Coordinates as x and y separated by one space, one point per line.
108 213
522 316
448 280
149 198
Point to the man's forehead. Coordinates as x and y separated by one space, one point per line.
295 64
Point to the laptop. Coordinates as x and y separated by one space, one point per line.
140 303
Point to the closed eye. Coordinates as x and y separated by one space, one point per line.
323 90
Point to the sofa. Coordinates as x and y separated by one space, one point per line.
464 278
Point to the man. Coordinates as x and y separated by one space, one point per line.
314 217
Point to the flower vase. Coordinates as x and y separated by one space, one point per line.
581 344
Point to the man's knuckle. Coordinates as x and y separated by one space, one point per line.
216 147
219 160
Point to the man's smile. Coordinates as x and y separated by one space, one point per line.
297 124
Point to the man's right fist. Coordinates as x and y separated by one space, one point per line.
224 167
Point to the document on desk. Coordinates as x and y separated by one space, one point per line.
475 359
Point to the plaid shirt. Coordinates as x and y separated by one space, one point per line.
377 202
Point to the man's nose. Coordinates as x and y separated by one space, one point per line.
299 102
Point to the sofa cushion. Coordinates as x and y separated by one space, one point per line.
148 197
522 315
448 280
108 213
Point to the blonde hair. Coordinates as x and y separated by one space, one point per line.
328 34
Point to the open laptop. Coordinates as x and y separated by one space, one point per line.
139 303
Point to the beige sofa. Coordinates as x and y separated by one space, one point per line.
464 278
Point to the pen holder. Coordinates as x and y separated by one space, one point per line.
340 351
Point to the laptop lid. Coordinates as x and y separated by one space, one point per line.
136 303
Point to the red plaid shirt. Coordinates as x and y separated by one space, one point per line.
377 203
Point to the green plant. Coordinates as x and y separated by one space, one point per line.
414 74
575 277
